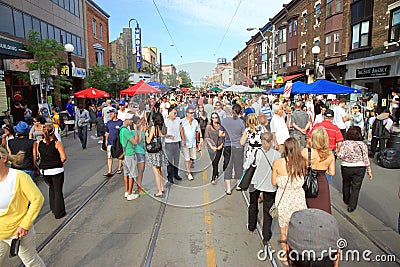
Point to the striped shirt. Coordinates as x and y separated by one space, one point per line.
267 111
334 134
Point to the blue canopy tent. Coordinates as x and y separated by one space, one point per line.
327 87
297 88
158 85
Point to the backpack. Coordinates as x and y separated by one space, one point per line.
379 130
117 150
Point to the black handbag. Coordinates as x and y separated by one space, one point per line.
310 185
247 176
155 144
14 248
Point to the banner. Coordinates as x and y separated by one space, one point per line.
287 90
138 45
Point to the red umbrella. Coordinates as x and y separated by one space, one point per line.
91 93
141 88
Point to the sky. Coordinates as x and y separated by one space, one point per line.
197 27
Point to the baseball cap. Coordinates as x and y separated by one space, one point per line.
129 116
112 111
313 229
121 102
329 113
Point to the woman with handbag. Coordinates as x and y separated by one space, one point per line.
156 158
215 143
20 204
52 157
261 183
354 153
288 174
322 162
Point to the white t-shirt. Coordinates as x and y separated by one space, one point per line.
278 126
395 105
7 190
340 113
122 114
106 116
173 128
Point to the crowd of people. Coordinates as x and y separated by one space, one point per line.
280 136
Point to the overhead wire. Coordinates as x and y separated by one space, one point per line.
169 33
227 29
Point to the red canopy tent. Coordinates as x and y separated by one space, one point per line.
91 93
141 88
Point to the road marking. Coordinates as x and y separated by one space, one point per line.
210 251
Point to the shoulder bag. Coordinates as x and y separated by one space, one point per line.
155 144
310 185
247 176
273 211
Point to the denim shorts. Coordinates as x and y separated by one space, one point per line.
140 158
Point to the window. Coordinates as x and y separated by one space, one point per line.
338 5
304 20
18 24
6 17
79 46
316 42
394 29
101 31
318 9
57 34
43 30
61 3
329 5
77 8
360 35
282 61
303 53
27 24
294 57
73 42
69 39
328 45
72 6
290 28
99 57
50 29
63 35
295 27
336 38
36 25
67 5
282 35
94 28
289 63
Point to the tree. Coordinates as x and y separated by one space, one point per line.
185 78
107 79
171 79
46 54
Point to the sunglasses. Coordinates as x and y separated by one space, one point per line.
191 112
214 117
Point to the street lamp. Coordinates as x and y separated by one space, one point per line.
69 48
272 48
315 50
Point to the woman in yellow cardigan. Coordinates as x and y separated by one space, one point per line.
20 204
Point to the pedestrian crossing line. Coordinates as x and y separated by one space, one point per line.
210 251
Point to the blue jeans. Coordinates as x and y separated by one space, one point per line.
82 133
30 173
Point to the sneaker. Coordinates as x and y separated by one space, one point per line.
126 194
100 142
132 197
190 177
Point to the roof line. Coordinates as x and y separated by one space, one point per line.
98 8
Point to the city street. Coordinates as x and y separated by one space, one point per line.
111 231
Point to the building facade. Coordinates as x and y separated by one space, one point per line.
98 47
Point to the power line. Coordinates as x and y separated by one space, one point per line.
165 25
227 29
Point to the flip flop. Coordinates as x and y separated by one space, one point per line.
119 171
108 174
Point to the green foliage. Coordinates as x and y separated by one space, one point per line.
170 80
151 69
185 77
107 79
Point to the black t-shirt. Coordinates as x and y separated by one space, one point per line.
26 145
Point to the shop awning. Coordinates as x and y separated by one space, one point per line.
291 77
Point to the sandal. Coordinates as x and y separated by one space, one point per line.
108 174
228 193
119 171
160 196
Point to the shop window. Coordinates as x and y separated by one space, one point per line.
360 35
328 45
394 29
27 24
336 43
6 18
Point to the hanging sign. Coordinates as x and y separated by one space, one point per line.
138 45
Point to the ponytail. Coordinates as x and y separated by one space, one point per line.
48 133
16 160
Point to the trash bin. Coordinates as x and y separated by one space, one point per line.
394 141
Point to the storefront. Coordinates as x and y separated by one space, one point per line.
377 75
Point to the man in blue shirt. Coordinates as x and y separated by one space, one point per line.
70 110
112 130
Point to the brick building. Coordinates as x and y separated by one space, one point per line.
98 47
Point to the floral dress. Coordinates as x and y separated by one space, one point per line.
289 200
254 143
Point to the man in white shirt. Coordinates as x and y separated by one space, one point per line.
106 111
172 144
190 134
340 116
122 110
279 128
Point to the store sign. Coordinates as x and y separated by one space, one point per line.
13 49
138 45
279 79
80 73
2 77
373 72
